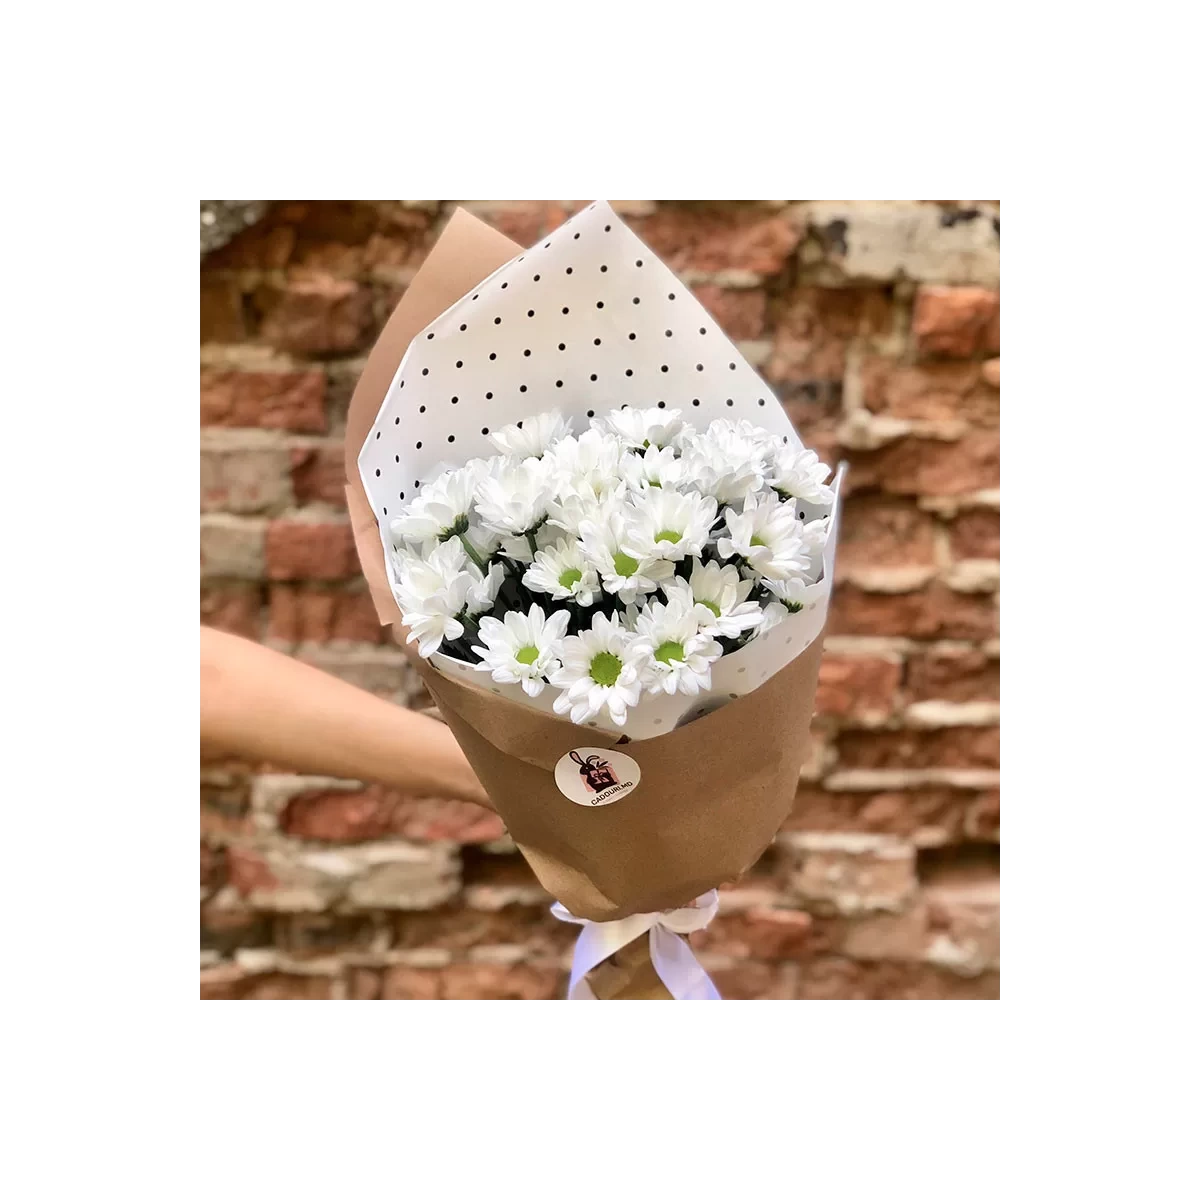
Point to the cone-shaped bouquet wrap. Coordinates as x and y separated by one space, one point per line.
628 812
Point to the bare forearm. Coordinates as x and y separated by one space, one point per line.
256 703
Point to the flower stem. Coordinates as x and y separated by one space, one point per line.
473 553
470 624
532 540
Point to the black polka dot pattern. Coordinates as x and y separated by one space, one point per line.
605 319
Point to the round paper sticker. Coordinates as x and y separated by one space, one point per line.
592 776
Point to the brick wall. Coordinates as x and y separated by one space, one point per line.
878 325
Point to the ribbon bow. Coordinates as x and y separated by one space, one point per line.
672 957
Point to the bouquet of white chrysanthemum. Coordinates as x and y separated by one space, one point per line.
616 565
536 517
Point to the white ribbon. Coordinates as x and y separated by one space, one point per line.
672 957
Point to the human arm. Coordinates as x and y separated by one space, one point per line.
256 703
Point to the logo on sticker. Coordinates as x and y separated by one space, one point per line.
593 777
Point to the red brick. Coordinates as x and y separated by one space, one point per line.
878 531
316 316
741 314
761 933
976 534
982 819
313 614
410 983
701 239
843 979
957 815
310 550
755 981
264 246
235 608
851 686
925 466
930 392
956 322
248 872
461 929
965 746
817 326
485 981
961 676
292 400
374 812
365 985
222 318
319 475
934 612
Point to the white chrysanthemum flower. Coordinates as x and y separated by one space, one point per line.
673 651
570 508
585 463
432 593
512 498
768 536
720 594
772 615
654 469
794 594
562 571
796 472
667 524
641 427
724 463
598 671
626 572
441 509
523 648
814 535
481 596
531 437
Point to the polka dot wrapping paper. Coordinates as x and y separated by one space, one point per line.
586 320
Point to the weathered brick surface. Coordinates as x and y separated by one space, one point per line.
293 400
877 324
311 549
306 612
244 475
956 322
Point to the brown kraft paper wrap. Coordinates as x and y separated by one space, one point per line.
713 792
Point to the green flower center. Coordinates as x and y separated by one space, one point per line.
667 535
712 608
793 605
669 652
527 655
605 668
757 541
456 530
655 483
570 577
625 565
